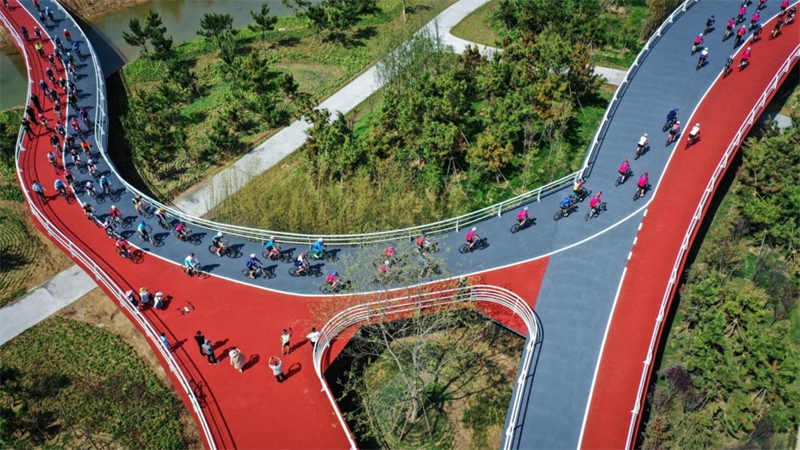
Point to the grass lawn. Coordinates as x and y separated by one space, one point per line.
319 67
622 24
74 385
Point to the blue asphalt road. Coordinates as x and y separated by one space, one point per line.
581 281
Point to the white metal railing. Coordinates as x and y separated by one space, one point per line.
696 219
430 301
99 274
612 106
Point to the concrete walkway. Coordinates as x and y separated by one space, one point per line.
73 283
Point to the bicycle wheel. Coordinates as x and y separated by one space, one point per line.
636 195
464 248
293 272
588 216
246 273
326 288
213 249
330 256
514 228
558 215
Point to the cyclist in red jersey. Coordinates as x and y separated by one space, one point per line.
122 247
624 168
596 201
745 58
334 280
115 212
523 216
472 237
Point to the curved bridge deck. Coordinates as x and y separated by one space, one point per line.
572 270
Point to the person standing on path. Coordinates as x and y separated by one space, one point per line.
208 349
200 339
286 336
313 337
277 368
164 341
237 359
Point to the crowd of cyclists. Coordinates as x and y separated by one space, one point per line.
389 261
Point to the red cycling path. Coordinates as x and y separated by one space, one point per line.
721 113
248 410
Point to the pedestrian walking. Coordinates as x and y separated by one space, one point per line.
39 189
276 365
27 127
36 103
164 341
131 296
200 339
208 349
286 336
237 359
313 337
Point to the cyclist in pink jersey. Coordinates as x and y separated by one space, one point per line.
472 237
523 216
596 200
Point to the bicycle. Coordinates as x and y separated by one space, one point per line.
311 272
594 212
564 212
186 236
581 195
481 244
429 268
340 286
622 178
669 123
163 221
220 248
672 137
111 232
517 226
259 272
640 192
428 247
326 255
283 256
92 193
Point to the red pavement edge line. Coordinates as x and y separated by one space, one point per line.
612 409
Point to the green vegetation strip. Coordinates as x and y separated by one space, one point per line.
729 370
67 384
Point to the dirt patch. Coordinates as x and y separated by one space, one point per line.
28 258
97 309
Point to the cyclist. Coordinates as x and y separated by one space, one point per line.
88 210
137 203
778 26
180 231
334 280
640 146
472 237
92 167
728 64
624 168
60 187
423 244
161 214
675 131
564 205
122 248
115 213
710 23
51 158
301 263
390 253
672 116
69 177
740 34
191 263
754 20
109 227
254 265
703 58
318 249
698 41
144 230
86 147
742 12
90 189
523 216
272 247
578 189
219 246
729 28
694 132
55 141
757 31
745 58
105 185
596 202
644 181
383 269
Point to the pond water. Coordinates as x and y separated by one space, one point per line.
182 19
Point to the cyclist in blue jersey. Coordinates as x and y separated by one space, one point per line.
253 264
564 205
192 264
144 230
272 247
318 249
60 187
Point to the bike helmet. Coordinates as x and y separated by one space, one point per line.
319 240
645 135
647 174
525 208
303 255
191 254
335 273
272 238
113 206
474 228
678 122
697 124
386 263
252 255
88 184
